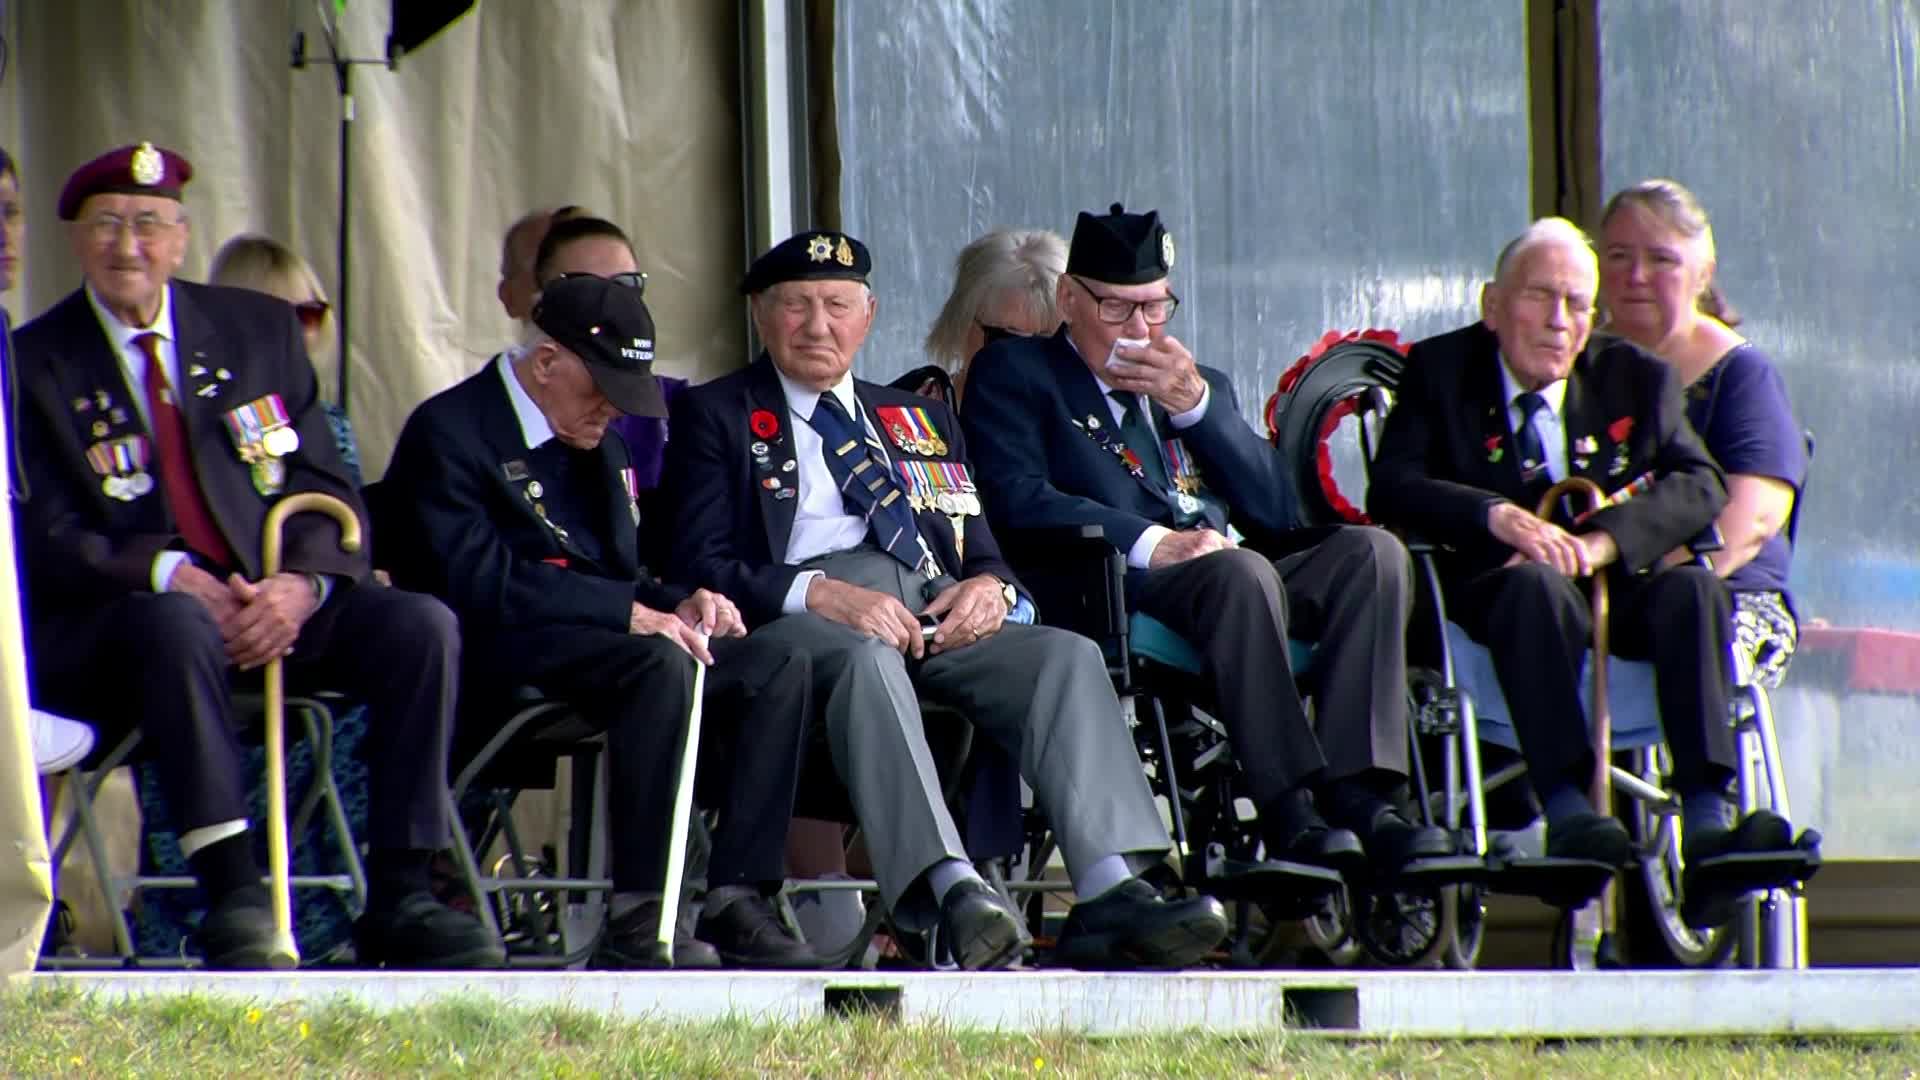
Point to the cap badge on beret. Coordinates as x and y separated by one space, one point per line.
820 249
1166 249
147 166
844 253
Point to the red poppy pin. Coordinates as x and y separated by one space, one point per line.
1494 450
1620 429
764 424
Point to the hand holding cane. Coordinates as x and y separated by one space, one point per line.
284 953
682 819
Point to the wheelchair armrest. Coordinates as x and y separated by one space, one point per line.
1077 579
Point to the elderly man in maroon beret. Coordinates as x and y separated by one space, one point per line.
166 419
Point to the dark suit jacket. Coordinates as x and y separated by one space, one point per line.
457 490
79 547
1038 470
1433 476
731 532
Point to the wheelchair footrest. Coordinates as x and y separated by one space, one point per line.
1435 872
1561 883
1745 872
1287 886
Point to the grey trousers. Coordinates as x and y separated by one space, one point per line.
1041 692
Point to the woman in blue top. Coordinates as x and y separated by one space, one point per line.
1656 284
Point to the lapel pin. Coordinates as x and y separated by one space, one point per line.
99 429
515 470
82 405
783 493
771 483
223 374
787 465
101 397
534 489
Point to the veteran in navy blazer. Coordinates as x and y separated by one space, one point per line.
164 420
519 508
844 516
1110 422
1488 418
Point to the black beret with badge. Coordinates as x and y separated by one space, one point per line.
606 324
140 169
815 255
1119 248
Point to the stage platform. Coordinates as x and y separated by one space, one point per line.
1368 1004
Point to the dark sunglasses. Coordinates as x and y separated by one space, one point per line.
312 313
632 279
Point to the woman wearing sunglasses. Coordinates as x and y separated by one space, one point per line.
263 264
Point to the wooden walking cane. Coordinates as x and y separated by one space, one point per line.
1600 717
682 819
285 954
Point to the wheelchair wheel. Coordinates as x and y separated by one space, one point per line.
1401 928
1660 870
1330 930
1464 923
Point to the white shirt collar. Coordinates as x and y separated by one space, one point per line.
802 399
533 423
120 333
1554 393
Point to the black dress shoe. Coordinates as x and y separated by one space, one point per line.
748 934
1759 832
982 933
1590 836
1320 844
632 942
1392 842
1132 926
237 934
417 931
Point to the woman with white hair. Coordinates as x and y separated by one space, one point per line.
1003 286
1657 262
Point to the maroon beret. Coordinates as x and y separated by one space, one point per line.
144 169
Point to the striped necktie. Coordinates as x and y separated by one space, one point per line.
859 465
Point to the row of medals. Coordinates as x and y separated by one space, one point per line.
946 501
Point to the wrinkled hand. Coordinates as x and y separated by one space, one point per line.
969 611
1535 540
209 590
645 620
1164 371
1178 547
874 614
709 611
270 617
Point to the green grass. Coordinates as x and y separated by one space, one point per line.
65 1033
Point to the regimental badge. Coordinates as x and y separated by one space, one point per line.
148 167
911 429
844 253
819 249
1166 250
1586 444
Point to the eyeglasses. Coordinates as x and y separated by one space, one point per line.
992 333
1114 310
105 228
632 279
312 314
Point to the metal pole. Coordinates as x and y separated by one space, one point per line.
343 300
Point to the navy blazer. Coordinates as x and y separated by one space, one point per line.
1445 457
81 547
1039 470
731 531
459 492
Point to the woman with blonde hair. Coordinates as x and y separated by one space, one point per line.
263 264
1657 263
1003 286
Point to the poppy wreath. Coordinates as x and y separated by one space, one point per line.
1332 381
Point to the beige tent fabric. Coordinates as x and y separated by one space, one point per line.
627 107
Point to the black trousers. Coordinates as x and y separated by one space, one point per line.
156 662
1352 595
639 688
1538 624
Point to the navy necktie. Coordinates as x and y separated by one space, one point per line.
1533 453
867 487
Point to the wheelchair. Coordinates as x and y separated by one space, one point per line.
1457 706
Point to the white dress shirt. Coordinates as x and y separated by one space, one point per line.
821 524
1548 423
133 366
533 423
